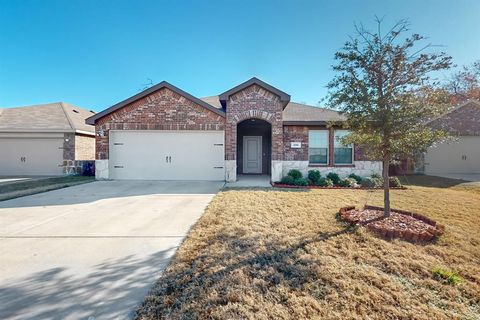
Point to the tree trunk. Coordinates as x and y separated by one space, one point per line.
386 187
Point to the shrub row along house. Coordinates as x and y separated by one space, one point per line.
48 139
166 133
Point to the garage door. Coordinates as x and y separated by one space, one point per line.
167 155
31 156
462 156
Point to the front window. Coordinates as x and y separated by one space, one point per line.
342 154
318 146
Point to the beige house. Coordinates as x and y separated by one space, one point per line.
47 139
461 156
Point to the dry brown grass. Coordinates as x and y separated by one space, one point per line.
284 255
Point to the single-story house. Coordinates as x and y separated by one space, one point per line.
462 154
45 140
166 133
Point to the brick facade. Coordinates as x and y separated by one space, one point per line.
295 134
161 110
300 134
69 146
254 102
84 147
463 121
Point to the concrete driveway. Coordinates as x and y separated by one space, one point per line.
92 251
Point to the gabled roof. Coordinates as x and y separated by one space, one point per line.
461 120
285 98
51 117
296 113
453 110
163 84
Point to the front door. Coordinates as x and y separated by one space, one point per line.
252 154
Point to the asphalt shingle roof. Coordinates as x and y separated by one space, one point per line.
58 116
295 112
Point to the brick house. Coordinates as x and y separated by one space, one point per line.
46 140
167 134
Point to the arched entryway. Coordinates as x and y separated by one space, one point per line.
254 147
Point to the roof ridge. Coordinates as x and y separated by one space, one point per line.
455 109
164 84
62 105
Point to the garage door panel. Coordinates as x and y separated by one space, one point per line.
460 156
31 156
167 155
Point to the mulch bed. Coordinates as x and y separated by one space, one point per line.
280 185
400 224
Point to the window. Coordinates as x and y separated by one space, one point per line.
342 154
318 146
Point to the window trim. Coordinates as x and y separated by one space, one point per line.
327 147
352 147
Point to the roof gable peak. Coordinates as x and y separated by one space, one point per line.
284 97
148 91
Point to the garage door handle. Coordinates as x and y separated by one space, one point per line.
168 159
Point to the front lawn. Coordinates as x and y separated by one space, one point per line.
37 185
282 254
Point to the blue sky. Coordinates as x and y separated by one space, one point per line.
96 53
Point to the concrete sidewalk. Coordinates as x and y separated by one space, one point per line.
92 250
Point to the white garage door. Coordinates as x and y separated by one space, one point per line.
167 155
31 156
462 156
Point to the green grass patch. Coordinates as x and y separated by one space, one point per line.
40 183
446 275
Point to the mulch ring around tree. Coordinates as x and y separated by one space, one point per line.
400 224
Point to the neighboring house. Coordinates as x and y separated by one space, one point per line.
47 139
165 133
462 155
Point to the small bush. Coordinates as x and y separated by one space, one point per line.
301 182
448 276
376 176
394 182
347 182
334 177
287 180
354 176
295 174
324 182
369 182
314 176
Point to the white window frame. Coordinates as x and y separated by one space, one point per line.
340 145
327 147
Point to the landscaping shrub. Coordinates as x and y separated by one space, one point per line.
314 176
287 180
295 174
378 179
369 182
300 182
347 182
354 176
324 182
334 177
376 176
394 182
448 276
